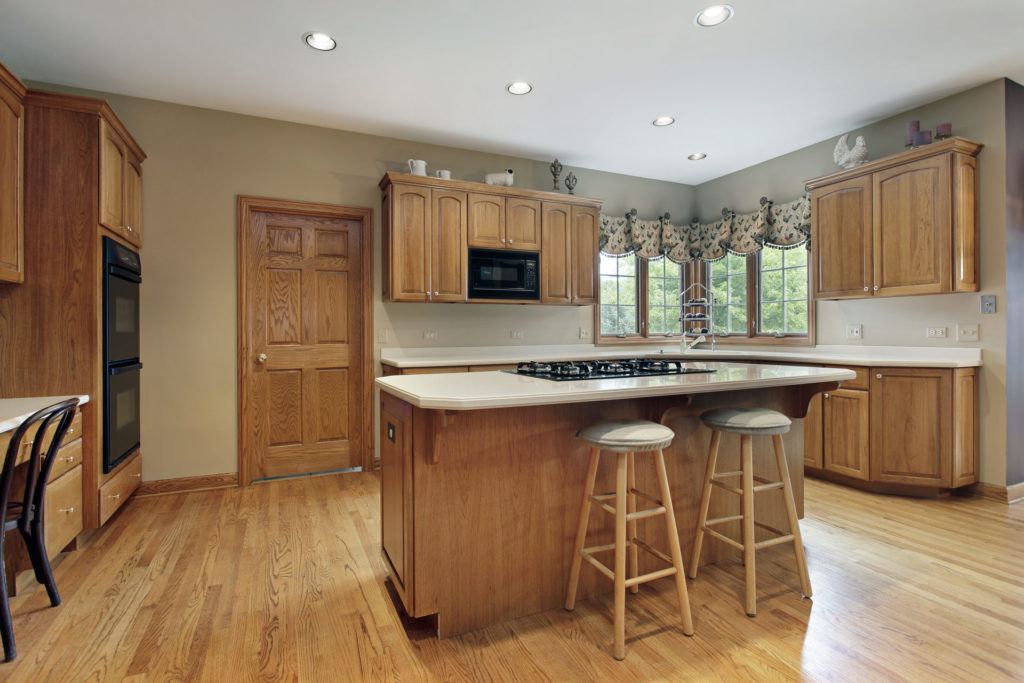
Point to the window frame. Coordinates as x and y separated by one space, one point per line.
697 271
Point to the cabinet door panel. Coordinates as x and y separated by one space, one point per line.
449 255
486 221
911 417
133 202
846 419
522 223
12 169
584 255
841 246
112 169
411 234
912 228
813 423
396 494
556 254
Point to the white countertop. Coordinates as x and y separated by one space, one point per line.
889 356
479 390
13 411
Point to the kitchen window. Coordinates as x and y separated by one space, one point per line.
761 298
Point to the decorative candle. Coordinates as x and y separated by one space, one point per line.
922 137
944 130
912 129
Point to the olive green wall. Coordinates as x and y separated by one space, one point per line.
199 161
977 114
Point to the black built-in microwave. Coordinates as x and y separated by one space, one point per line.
503 274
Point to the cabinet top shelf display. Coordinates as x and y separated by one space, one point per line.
954 144
392 178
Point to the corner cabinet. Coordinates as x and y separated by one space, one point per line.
902 225
430 224
12 174
903 427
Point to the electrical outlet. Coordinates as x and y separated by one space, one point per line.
935 332
855 331
967 333
988 303
382 336
430 334
515 334
584 333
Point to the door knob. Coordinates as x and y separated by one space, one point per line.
262 358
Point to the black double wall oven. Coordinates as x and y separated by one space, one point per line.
122 277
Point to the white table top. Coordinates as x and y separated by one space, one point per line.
887 356
480 390
13 411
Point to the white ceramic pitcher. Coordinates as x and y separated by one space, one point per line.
417 167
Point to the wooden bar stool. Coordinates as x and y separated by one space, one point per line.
748 422
626 438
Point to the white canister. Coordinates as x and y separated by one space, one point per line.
443 175
417 167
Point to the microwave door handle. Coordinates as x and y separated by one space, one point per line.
124 274
125 368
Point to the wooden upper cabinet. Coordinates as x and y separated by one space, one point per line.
449 255
486 221
522 223
12 174
841 239
912 228
902 225
585 226
845 434
911 426
120 186
556 254
410 229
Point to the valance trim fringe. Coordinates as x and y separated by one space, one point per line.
784 226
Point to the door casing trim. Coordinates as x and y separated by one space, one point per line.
247 206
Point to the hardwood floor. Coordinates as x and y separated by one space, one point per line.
284 581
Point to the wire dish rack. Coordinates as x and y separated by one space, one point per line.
698 315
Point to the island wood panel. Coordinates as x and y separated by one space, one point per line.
396 495
523 223
814 438
486 221
556 254
494 517
912 228
841 251
12 175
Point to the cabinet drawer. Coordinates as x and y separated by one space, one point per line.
115 492
74 432
68 457
63 510
861 381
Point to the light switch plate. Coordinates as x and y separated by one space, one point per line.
936 332
515 334
430 334
382 336
855 331
988 303
967 333
584 333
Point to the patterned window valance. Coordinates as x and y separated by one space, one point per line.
779 225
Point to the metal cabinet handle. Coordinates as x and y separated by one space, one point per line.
115 496
878 376
827 396
69 458
71 431
865 288
876 288
436 293
129 228
262 358
66 511
138 476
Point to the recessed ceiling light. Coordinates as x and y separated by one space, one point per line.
663 121
519 87
320 41
697 156
713 15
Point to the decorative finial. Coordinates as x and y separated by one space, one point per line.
556 170
570 182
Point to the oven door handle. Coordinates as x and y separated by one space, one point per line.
124 368
124 274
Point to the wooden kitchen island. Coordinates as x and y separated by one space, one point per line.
482 478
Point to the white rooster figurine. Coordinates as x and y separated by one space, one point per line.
849 158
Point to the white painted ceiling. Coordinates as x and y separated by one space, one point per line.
780 75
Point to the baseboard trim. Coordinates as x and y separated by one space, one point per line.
206 482
1014 493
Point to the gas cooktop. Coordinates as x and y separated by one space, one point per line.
605 369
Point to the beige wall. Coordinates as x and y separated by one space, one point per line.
977 114
199 160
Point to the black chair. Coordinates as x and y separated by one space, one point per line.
27 515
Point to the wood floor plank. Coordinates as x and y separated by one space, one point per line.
284 581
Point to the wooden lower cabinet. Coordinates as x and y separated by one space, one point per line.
120 487
63 510
908 427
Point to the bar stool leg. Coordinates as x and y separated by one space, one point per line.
705 501
747 455
634 560
794 522
620 556
673 544
581 529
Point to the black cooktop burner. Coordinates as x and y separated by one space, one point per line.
604 369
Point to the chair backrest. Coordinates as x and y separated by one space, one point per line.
39 465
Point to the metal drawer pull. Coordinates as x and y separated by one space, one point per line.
66 511
115 496
876 288
878 376
68 458
827 396
865 288
138 476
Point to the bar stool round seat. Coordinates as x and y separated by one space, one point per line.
752 421
627 436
